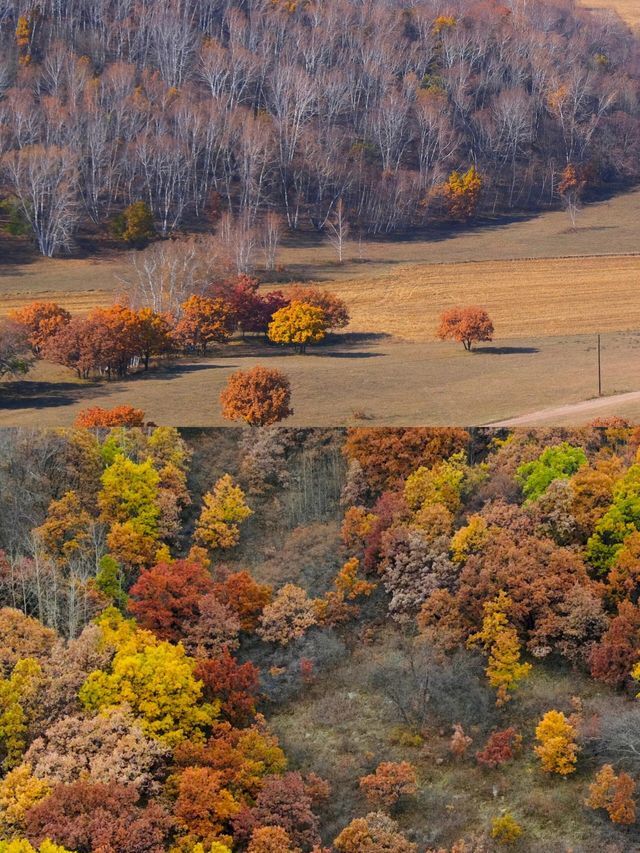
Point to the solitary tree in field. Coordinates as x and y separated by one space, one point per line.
259 396
298 323
338 230
571 187
466 325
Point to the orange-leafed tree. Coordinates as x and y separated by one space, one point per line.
271 839
571 187
40 320
390 781
465 325
244 596
204 322
96 417
153 334
462 193
614 794
260 396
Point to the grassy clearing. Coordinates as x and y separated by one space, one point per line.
389 382
547 288
343 727
536 297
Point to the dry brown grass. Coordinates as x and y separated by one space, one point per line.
535 297
629 10
606 228
393 383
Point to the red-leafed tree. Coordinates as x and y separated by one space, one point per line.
501 747
613 658
165 597
234 684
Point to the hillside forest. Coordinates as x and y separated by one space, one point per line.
256 117
283 641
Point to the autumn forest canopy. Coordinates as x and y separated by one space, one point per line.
372 115
286 641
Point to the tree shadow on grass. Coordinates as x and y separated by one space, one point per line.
505 350
45 395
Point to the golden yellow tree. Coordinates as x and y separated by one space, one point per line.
462 193
298 323
557 749
499 638
223 511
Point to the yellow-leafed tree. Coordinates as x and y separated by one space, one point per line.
223 511
499 638
557 749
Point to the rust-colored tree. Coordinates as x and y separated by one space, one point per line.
465 325
40 320
96 417
165 597
203 322
613 793
390 781
260 396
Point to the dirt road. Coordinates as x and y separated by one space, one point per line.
575 412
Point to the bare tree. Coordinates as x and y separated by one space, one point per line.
338 229
168 272
270 235
44 180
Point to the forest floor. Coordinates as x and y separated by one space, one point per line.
548 288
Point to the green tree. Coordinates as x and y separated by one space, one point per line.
559 461
135 225
619 521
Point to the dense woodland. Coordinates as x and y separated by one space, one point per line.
285 641
373 114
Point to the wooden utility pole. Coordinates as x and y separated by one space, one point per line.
599 370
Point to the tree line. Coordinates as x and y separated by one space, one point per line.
366 112
113 341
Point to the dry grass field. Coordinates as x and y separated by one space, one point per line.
629 10
536 297
359 380
547 288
